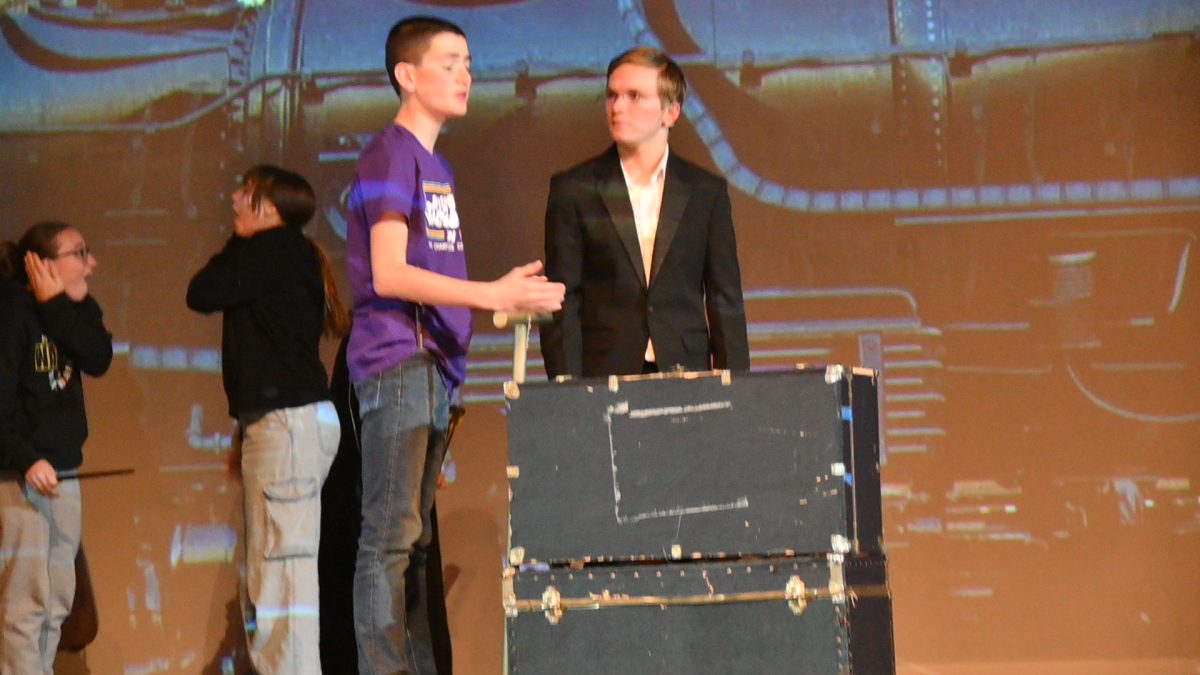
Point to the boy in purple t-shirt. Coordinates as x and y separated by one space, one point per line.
412 326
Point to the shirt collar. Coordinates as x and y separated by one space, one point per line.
657 177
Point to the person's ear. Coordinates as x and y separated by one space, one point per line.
671 116
406 76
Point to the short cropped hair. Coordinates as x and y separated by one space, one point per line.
409 39
672 87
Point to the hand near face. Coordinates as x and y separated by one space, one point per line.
44 279
247 220
245 224
77 290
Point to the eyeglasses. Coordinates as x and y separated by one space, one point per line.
82 253
633 97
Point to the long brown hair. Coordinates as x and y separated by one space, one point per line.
296 203
337 319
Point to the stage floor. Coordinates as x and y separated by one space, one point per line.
1140 667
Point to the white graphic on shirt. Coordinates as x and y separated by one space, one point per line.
441 217
46 360
59 380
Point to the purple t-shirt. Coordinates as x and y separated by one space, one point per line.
397 174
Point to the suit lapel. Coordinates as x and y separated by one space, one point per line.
676 192
614 194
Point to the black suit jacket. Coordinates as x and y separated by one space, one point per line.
692 307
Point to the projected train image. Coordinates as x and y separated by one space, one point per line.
996 205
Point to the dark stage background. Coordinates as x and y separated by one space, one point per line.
995 204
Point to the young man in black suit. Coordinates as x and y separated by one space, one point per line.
644 242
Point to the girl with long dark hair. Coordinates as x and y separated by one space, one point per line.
274 286
51 333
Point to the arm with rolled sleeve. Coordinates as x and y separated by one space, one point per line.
723 290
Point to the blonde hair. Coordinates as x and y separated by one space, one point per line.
672 87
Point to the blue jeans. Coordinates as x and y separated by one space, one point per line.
405 413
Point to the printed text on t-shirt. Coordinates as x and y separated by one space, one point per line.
441 217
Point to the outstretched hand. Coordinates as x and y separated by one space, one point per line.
525 289
43 277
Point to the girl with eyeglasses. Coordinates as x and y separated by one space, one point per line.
277 295
51 333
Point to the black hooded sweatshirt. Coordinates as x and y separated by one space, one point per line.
270 289
45 348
